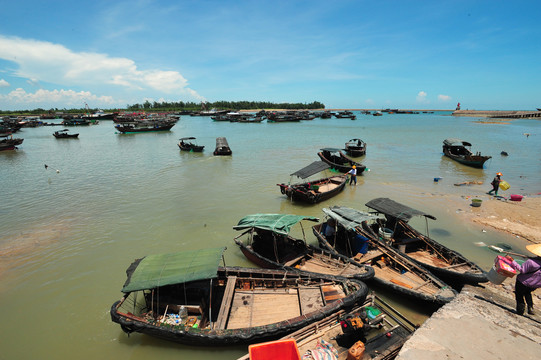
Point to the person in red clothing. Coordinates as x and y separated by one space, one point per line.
528 280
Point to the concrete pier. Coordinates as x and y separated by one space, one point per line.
479 324
499 114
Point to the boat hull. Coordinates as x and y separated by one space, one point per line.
341 163
128 130
192 148
476 161
441 297
10 144
303 193
307 252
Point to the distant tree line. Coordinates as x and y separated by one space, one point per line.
221 105
177 106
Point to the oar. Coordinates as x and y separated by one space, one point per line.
503 251
499 249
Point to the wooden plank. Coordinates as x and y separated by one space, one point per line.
226 302
310 299
332 293
368 256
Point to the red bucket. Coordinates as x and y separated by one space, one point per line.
515 197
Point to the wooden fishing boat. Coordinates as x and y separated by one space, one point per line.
393 270
345 115
266 241
222 147
188 298
355 148
9 142
339 161
384 331
144 126
63 134
75 121
187 144
447 264
313 191
459 151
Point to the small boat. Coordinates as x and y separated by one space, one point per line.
100 115
144 126
187 297
63 134
326 115
266 241
9 142
459 151
313 191
345 115
186 145
393 270
340 161
384 331
75 121
355 148
447 264
377 113
222 147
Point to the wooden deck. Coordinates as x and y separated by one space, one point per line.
424 258
267 306
408 279
326 265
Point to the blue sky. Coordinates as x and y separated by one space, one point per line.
345 54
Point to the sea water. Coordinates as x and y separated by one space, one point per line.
68 231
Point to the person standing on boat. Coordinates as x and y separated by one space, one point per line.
330 230
353 173
528 280
495 184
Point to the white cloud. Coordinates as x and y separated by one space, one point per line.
444 98
4 83
55 98
53 63
421 97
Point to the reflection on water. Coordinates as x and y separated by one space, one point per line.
68 237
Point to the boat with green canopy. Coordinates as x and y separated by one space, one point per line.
187 297
266 241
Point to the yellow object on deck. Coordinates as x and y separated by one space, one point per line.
504 185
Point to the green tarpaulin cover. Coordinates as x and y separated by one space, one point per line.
349 218
154 271
278 223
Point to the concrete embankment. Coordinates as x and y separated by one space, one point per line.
499 114
479 324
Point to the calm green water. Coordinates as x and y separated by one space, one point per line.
67 237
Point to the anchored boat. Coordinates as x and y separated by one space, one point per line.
188 298
266 241
393 269
447 264
459 151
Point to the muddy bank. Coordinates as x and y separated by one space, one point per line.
519 218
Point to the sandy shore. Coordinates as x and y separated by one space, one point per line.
520 218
